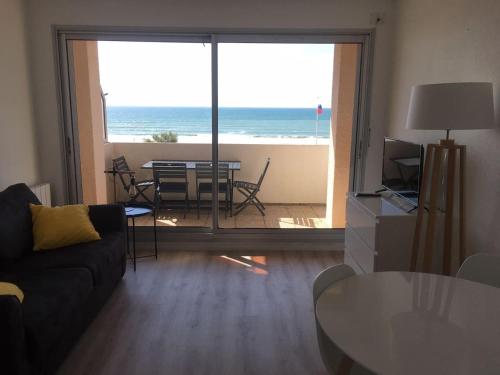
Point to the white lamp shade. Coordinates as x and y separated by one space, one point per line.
443 106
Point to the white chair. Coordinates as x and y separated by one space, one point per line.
482 268
336 362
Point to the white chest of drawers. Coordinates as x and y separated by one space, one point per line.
378 235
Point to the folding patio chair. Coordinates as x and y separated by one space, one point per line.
133 188
170 178
250 191
204 183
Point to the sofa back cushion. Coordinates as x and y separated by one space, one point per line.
16 232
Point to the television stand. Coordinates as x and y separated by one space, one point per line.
378 234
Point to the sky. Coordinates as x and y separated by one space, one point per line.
250 75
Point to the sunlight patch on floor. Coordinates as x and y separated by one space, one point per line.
254 264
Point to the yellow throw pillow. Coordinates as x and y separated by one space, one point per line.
8 289
55 227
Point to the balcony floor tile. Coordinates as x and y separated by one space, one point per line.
277 216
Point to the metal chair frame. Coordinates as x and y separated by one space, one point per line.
250 190
170 171
133 188
204 172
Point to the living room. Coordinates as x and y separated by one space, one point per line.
226 311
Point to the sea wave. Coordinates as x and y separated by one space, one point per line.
255 122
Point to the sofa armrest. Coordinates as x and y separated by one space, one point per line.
108 217
12 335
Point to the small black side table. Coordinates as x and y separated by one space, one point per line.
136 211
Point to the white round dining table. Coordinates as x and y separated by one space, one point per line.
414 323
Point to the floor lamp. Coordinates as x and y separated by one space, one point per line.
448 106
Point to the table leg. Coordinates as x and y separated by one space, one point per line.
128 241
133 240
114 184
232 192
156 243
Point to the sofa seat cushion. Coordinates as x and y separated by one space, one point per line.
96 256
52 298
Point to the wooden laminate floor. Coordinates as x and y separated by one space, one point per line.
204 313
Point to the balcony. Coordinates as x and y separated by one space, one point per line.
294 190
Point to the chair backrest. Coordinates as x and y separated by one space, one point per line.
334 359
482 268
120 165
330 276
261 178
204 171
165 171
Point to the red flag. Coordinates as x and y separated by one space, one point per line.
319 110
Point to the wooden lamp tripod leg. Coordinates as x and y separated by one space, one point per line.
461 225
432 176
421 209
448 221
431 223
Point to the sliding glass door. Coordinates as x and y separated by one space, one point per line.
241 125
158 112
274 122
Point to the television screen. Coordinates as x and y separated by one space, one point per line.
402 168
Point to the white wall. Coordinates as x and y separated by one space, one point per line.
17 134
297 173
453 41
202 14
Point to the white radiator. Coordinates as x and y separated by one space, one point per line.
42 191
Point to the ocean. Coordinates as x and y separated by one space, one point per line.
191 121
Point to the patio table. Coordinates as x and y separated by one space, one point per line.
191 164
234 165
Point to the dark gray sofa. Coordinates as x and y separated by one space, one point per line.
63 288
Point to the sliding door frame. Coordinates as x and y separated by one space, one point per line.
365 38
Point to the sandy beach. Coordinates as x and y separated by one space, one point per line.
226 139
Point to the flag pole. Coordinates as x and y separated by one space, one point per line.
317 119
